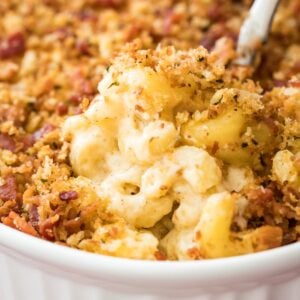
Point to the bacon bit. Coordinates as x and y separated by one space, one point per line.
194 253
62 109
82 87
16 114
170 18
160 256
47 128
27 141
295 84
47 226
19 223
72 226
8 191
13 45
280 83
76 98
34 216
7 142
215 13
83 47
209 40
219 30
263 195
68 195
86 88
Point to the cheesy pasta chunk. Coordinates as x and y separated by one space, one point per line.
157 143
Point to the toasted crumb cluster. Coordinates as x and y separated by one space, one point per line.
177 153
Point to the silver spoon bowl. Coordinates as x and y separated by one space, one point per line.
255 30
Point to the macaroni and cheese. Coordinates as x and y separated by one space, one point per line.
127 129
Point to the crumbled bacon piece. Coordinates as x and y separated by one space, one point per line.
62 108
16 114
7 142
295 83
81 85
170 18
46 227
47 128
34 215
215 12
68 195
208 41
27 141
280 83
83 47
217 31
76 98
8 191
13 45
18 222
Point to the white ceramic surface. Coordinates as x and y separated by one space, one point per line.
33 269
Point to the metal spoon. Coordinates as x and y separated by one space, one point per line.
255 30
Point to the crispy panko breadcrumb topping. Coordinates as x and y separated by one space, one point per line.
179 154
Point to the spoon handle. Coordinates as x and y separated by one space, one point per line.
255 29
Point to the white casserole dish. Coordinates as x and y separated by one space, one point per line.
33 269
